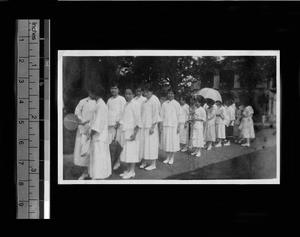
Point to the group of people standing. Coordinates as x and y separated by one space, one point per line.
142 125
208 122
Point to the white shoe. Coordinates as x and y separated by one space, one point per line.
143 165
166 161
82 177
150 167
117 165
218 145
227 143
171 161
184 149
209 147
245 144
198 154
129 176
193 153
123 174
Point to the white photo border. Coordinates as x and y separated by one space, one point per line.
199 53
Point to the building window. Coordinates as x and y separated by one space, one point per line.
226 79
208 80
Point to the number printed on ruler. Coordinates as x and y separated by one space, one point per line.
28 119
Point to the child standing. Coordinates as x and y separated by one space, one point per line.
198 120
210 128
246 126
184 130
220 123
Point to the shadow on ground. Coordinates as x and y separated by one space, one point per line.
256 165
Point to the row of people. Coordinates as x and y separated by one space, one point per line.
216 122
141 125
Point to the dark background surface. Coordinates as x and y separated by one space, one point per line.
247 209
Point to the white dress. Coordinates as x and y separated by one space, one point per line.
84 111
184 132
221 117
149 143
198 133
230 112
100 160
115 107
140 101
210 128
170 116
131 117
247 126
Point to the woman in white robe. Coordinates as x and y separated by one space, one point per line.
130 123
184 129
149 140
84 111
198 133
171 121
221 118
210 127
247 126
115 105
100 160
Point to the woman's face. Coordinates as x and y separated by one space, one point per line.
148 94
182 102
92 96
128 95
170 95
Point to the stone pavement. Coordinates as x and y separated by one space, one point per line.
184 162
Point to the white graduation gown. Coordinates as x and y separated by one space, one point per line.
171 116
198 133
149 143
221 118
84 111
115 107
100 160
184 132
210 127
131 117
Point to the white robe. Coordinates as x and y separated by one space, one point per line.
198 131
171 117
140 100
131 117
230 111
84 111
184 132
149 116
115 107
100 160
221 118
210 127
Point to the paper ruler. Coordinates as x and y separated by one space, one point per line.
33 127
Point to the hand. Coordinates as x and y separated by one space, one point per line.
132 137
117 124
151 131
93 132
185 126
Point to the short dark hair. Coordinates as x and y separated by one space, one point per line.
148 87
114 84
129 88
96 89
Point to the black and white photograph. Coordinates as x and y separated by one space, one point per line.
168 117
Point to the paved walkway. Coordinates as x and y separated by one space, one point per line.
184 162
